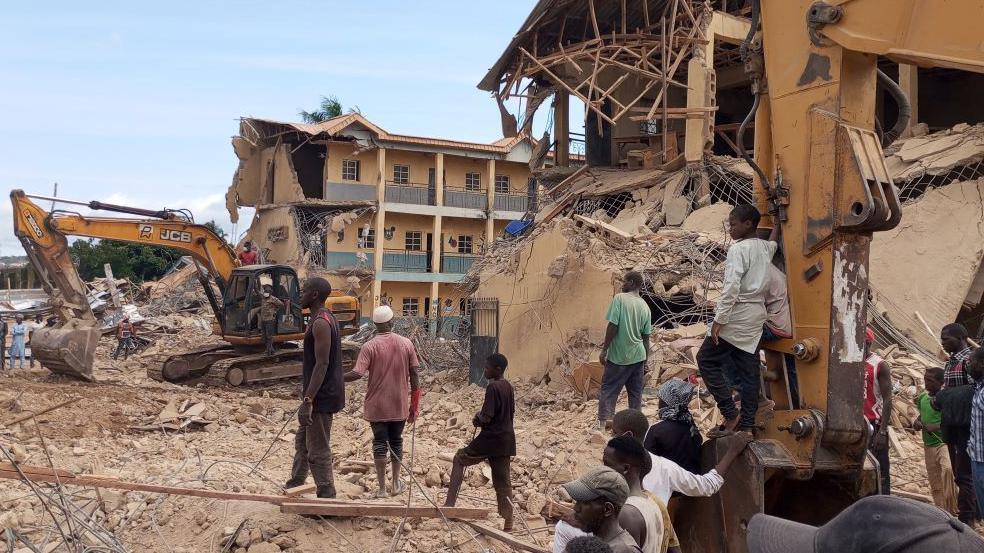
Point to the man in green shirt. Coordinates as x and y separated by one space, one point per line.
938 468
626 348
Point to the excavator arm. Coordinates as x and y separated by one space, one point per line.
821 175
70 347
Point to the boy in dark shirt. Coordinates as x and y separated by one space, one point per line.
676 436
496 443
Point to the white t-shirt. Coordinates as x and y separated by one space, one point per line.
741 307
668 477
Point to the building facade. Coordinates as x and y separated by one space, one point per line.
395 219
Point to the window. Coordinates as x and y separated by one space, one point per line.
464 244
463 305
411 307
473 182
502 184
350 169
401 174
367 238
414 241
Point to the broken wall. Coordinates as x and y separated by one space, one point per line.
555 293
928 263
274 234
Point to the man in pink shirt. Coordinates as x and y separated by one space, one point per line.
392 395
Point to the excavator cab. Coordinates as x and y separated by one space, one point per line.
244 297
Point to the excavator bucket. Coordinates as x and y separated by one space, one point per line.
69 351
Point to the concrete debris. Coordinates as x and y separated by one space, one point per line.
941 234
178 415
937 153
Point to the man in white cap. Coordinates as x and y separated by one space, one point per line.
392 395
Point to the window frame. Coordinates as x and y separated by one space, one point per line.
411 307
418 237
462 240
346 167
475 186
367 239
398 177
499 179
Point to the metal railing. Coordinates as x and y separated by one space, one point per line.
346 261
406 261
459 196
411 193
457 263
512 202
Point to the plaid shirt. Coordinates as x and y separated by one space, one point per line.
954 373
975 446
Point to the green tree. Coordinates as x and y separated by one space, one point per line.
137 262
330 107
214 227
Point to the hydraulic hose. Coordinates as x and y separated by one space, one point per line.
905 109
743 152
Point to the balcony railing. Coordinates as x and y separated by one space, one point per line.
512 202
412 193
405 261
348 261
459 196
457 263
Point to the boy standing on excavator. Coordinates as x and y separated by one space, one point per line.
734 336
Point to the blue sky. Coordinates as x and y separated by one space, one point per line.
135 102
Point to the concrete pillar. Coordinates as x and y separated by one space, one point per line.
490 221
377 256
435 309
439 179
562 128
909 81
699 95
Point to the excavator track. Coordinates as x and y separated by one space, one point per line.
223 365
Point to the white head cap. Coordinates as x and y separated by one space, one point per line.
382 314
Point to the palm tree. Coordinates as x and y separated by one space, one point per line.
330 107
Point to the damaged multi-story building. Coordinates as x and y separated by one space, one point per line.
390 218
666 97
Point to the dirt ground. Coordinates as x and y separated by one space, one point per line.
247 446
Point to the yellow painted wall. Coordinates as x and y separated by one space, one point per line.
419 164
407 222
455 168
518 173
399 290
286 188
455 226
368 169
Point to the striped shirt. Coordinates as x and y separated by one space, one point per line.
975 447
954 371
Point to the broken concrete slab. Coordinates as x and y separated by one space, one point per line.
942 235
710 221
676 209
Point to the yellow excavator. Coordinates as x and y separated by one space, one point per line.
69 348
821 174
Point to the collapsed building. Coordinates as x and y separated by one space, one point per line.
665 130
366 208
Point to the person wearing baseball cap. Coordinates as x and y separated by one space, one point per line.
878 406
599 496
392 394
876 524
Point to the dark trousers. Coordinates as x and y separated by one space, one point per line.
501 480
387 439
616 376
269 330
881 454
312 451
963 475
3 352
714 362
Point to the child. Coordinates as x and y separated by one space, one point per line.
496 443
733 338
18 341
938 468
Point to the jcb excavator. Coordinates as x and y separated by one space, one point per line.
820 173
70 347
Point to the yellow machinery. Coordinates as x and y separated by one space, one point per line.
821 174
70 347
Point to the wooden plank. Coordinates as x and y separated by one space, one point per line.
32 414
95 481
300 490
373 509
514 543
911 495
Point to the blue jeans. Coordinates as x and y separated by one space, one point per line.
978 469
615 377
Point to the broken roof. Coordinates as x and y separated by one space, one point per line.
354 126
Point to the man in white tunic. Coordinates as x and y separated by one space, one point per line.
733 339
